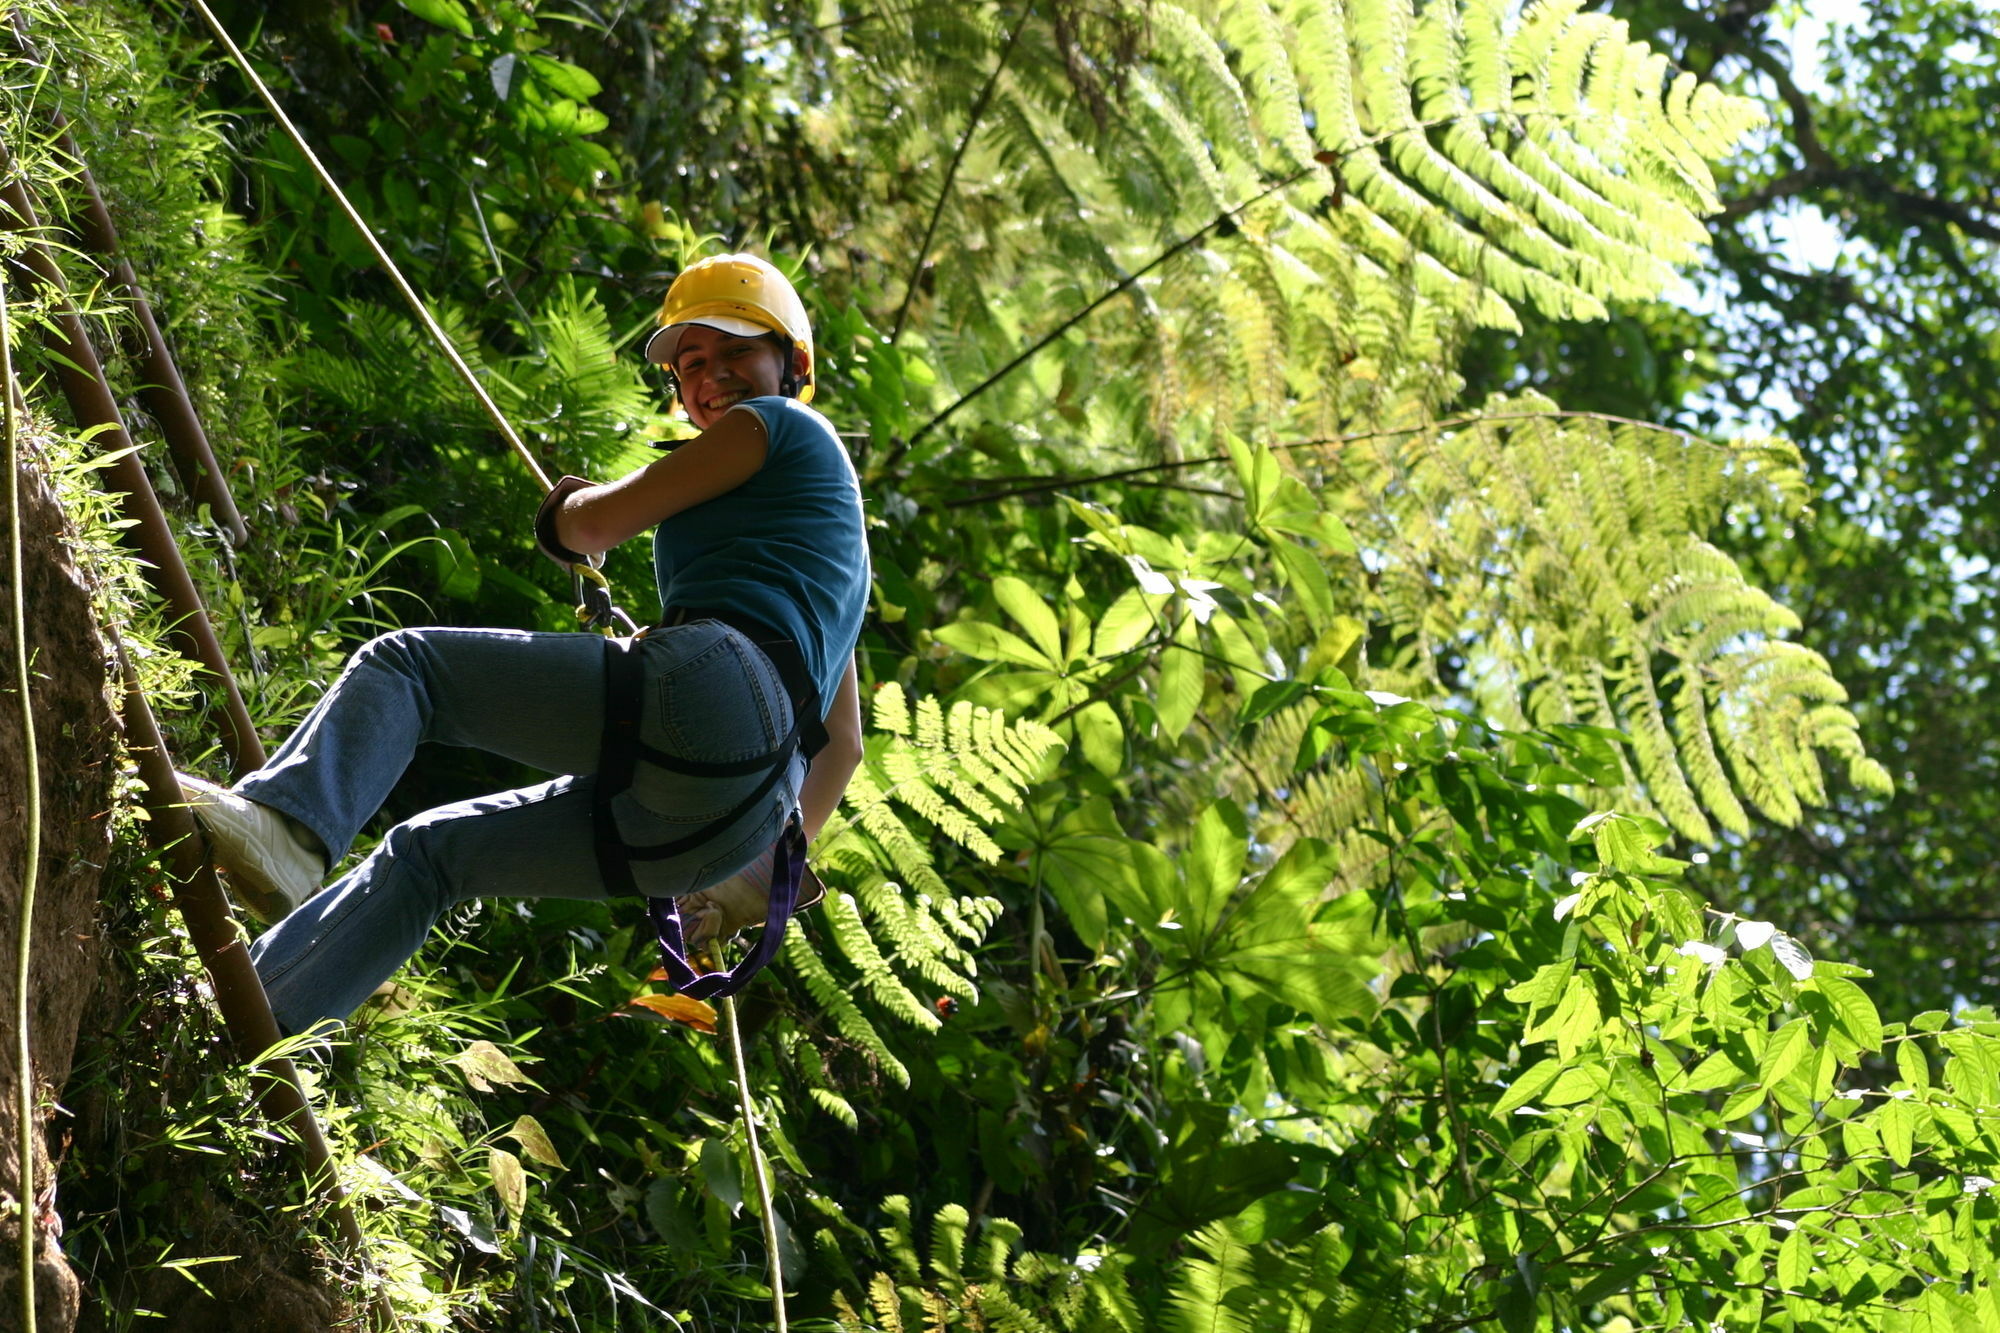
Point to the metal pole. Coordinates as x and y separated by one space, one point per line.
82 378
239 994
163 392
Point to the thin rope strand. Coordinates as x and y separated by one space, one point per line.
431 326
757 1166
24 1097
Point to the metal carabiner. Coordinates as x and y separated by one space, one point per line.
594 607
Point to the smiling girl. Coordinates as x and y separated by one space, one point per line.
693 762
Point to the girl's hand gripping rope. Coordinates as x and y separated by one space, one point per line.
721 910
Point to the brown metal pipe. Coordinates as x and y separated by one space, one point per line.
164 393
239 994
91 401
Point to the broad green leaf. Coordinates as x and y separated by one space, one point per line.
1795 1260
1031 610
1095 875
1718 1070
445 13
1896 1122
1269 699
1788 1046
1911 1064
1101 736
1214 865
1281 905
1528 1086
1853 1010
1326 986
1741 1103
1126 623
990 643
722 1174
1578 1083
1257 471
1626 842
1307 577
1546 986
457 564
668 1219
565 79
1182 677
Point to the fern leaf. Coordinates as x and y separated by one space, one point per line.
836 1001
948 1229
844 923
1200 1301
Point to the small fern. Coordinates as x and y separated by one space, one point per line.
956 771
995 1289
1208 1297
835 999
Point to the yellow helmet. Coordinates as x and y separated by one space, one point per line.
739 294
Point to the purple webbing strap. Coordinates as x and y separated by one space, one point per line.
788 863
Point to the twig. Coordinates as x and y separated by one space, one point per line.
1036 486
951 172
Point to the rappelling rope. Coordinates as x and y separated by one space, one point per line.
759 1168
582 571
24 1096
431 326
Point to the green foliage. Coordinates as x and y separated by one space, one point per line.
1161 919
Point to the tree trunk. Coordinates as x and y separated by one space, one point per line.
75 733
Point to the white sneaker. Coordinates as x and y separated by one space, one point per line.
271 868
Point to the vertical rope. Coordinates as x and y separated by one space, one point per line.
431 326
24 1094
757 1167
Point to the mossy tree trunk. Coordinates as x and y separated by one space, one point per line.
75 735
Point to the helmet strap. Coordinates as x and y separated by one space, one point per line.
788 383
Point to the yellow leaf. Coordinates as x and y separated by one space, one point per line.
510 1182
697 1014
485 1064
534 1141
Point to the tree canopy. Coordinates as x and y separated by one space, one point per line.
1406 768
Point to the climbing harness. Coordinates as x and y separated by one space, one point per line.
621 751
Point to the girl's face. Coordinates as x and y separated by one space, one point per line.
718 370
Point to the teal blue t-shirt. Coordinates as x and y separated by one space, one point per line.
786 547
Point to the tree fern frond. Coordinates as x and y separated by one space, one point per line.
1565 558
948 1229
1209 84
899 1239
1261 46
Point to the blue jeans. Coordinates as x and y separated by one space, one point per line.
710 696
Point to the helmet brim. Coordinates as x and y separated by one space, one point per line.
661 347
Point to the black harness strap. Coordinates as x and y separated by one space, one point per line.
621 751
